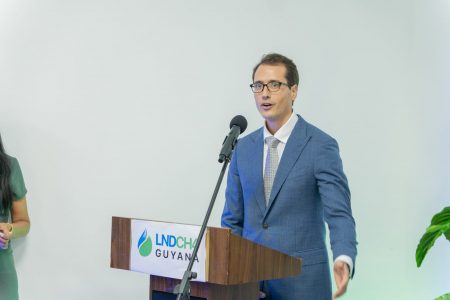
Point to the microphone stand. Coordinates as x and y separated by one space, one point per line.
184 288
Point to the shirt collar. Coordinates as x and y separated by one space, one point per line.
285 131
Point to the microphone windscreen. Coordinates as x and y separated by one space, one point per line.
240 122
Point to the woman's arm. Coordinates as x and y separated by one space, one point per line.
20 219
20 223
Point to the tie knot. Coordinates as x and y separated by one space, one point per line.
272 142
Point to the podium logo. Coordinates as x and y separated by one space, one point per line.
145 244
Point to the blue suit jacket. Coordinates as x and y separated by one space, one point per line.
310 188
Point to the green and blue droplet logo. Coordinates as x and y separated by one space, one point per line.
145 244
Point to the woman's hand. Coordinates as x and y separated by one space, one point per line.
5 234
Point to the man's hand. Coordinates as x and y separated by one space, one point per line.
341 276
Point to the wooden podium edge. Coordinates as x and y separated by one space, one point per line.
217 255
236 260
120 243
251 262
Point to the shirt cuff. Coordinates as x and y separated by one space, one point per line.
348 260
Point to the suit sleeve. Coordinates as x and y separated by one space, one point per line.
233 212
335 195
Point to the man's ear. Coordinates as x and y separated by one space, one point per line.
294 91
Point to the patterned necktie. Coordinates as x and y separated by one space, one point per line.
271 165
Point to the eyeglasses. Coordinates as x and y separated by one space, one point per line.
272 86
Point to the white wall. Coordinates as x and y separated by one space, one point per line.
119 108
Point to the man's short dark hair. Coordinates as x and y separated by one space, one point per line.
278 59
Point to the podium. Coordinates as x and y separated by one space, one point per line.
233 267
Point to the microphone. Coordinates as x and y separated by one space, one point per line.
238 125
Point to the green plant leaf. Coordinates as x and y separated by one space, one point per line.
440 224
441 217
444 297
447 235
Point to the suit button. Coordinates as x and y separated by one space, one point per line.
265 225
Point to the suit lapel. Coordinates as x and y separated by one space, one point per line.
294 147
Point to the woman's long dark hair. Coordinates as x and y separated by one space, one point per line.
5 172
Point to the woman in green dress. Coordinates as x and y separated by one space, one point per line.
14 221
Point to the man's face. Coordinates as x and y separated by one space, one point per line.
274 107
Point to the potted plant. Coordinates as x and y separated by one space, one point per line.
440 225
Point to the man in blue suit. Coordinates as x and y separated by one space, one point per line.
285 181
